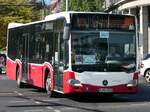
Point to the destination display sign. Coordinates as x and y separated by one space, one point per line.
102 21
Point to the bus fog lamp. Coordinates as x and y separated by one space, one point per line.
74 82
132 83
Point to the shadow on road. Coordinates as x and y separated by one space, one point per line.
142 96
53 104
79 101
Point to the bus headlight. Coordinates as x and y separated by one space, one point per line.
74 82
132 83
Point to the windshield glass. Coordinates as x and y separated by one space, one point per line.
103 51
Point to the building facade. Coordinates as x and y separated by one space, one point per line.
140 8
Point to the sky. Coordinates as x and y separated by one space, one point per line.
47 2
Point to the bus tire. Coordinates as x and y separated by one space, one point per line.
147 76
19 83
49 91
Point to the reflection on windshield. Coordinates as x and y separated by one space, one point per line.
103 51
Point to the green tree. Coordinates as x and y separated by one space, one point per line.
84 5
14 11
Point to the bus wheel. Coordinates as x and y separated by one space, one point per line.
19 83
48 88
147 76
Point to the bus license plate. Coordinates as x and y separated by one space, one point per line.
105 90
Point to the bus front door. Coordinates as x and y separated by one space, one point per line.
58 64
25 57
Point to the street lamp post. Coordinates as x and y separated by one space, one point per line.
66 5
44 11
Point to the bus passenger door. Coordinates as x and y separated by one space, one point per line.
58 64
61 60
25 57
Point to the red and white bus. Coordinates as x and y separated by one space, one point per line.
70 52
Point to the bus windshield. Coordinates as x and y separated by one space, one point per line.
105 51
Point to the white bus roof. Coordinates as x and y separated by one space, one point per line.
55 16
66 15
12 25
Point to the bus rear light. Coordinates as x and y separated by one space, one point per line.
74 82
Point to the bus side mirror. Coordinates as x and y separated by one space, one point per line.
66 32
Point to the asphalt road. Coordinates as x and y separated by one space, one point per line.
13 99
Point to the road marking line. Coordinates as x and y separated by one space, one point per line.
141 104
23 101
39 110
128 105
6 93
50 100
69 108
49 108
20 94
57 110
38 102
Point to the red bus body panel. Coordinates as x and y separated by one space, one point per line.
36 72
67 87
86 88
35 75
10 69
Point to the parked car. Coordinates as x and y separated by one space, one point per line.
2 63
145 67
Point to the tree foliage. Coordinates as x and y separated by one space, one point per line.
84 5
14 11
23 11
